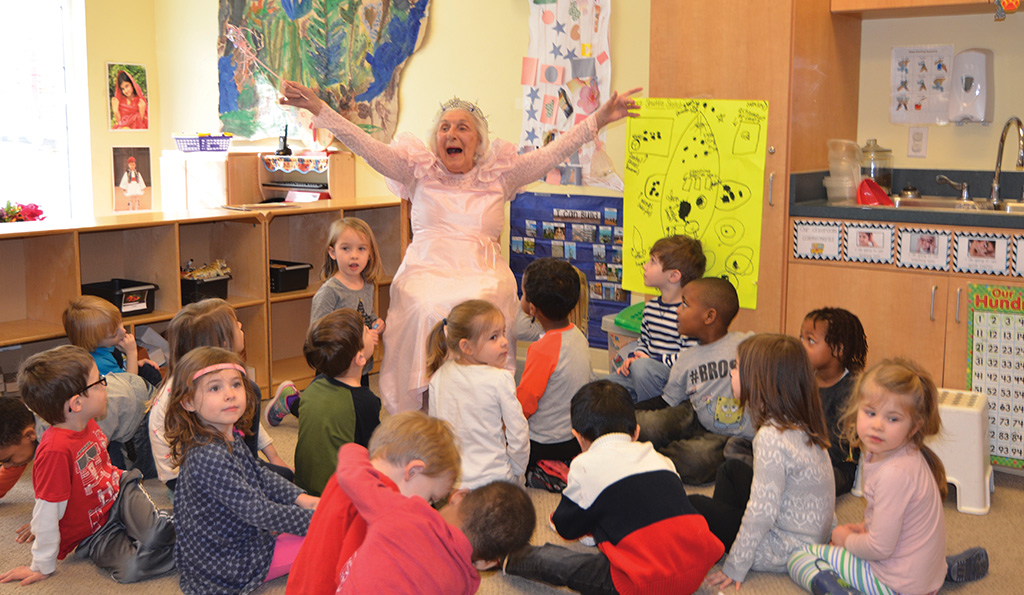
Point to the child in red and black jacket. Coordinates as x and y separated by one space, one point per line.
629 497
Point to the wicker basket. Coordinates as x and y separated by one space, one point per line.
202 142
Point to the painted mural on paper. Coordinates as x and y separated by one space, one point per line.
351 52
566 76
696 167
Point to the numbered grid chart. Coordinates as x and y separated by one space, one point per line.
997 371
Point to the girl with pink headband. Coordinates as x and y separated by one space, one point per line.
238 523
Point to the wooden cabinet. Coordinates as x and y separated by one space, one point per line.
39 274
43 267
795 54
911 8
922 315
903 312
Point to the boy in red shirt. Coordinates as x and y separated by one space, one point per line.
83 502
418 457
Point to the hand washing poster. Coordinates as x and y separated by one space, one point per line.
696 167
920 84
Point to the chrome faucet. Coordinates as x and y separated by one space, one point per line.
999 157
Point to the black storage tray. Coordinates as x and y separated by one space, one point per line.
195 290
131 297
286 275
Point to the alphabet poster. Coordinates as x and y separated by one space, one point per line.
696 167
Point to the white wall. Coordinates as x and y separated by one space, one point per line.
971 146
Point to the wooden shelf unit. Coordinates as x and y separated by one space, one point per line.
877 9
44 266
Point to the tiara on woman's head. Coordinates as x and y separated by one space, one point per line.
456 103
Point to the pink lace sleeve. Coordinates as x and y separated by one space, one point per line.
386 160
531 166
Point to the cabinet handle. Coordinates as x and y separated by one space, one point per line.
771 186
958 291
931 315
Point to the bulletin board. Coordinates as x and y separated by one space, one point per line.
996 366
586 231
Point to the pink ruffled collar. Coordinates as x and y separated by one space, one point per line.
498 159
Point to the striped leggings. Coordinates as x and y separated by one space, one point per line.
805 563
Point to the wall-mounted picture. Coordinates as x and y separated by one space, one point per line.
923 249
982 253
133 179
867 242
127 90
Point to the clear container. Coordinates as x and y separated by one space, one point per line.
876 164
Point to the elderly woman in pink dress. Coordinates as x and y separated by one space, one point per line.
457 187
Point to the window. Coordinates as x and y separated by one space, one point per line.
44 126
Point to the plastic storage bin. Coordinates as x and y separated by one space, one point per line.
288 276
202 142
131 297
195 290
618 338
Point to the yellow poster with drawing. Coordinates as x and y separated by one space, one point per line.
696 167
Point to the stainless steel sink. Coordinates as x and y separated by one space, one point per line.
948 203
943 203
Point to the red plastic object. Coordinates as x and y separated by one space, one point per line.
870 193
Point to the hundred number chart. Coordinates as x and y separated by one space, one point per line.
996 368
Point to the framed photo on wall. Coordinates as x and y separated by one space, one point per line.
133 179
128 96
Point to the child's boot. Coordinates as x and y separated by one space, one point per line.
969 565
827 582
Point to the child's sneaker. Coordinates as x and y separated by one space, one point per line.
548 475
277 409
967 566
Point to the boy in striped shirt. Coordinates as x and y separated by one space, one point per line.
675 261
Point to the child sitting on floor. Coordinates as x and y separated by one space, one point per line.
239 524
410 547
787 498
335 408
94 324
675 261
901 545
127 396
700 414
417 456
836 345
471 389
650 539
83 503
557 365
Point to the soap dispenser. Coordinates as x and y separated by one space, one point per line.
971 96
876 164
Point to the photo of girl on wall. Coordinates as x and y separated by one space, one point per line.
132 176
127 89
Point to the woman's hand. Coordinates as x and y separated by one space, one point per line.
720 581
618 107
296 95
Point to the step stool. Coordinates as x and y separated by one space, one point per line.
962 446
